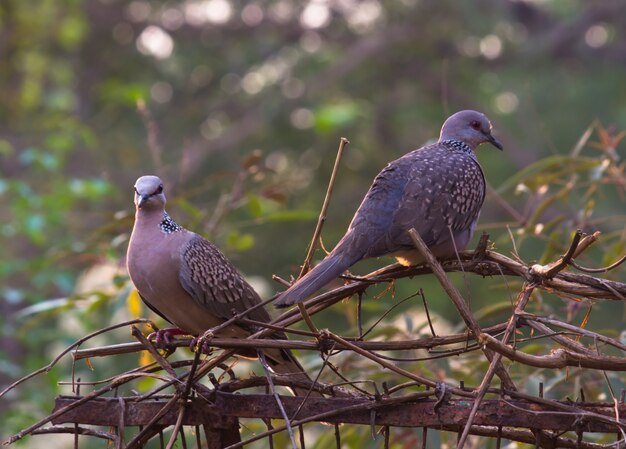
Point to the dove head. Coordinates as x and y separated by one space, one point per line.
149 193
469 127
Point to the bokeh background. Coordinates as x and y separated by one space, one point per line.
239 106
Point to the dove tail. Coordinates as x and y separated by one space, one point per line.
324 272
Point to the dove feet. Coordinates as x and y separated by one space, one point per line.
202 343
164 336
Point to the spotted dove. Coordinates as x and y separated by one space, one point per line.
189 282
437 189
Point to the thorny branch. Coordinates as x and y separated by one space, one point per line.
482 262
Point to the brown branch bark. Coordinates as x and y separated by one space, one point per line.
237 343
559 358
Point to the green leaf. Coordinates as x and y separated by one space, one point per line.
189 208
494 309
240 242
254 206
336 116
549 169
116 92
50 305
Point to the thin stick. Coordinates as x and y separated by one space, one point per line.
177 428
430 323
262 343
558 358
120 429
575 329
388 365
359 317
153 352
192 372
486 382
495 359
599 270
148 426
152 131
459 302
384 315
117 382
307 318
306 266
319 373
281 407
215 330
568 408
77 343
184 396
550 270
78 430
322 217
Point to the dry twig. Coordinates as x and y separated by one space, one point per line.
482 262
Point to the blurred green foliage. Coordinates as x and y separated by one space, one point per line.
239 106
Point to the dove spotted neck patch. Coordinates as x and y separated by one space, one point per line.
458 145
168 225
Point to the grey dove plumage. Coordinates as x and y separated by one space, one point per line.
438 189
188 281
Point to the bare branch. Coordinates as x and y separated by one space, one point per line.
559 358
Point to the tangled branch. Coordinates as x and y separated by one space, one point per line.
493 340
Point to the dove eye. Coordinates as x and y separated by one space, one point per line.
159 189
475 124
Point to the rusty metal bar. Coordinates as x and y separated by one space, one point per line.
221 415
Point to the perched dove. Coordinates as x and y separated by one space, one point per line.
188 281
437 189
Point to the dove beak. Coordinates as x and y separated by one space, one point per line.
493 141
141 200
